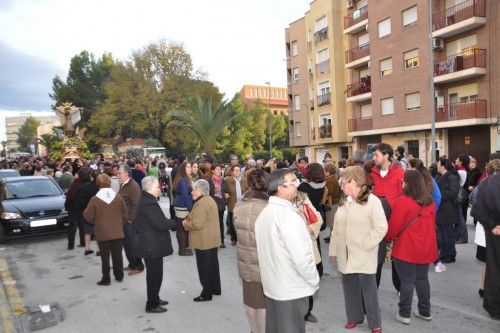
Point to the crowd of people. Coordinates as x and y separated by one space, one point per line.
386 209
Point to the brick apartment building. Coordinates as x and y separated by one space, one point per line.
389 74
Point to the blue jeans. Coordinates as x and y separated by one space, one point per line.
446 241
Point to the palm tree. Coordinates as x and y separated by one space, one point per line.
48 141
206 124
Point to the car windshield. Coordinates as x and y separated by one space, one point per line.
8 173
31 189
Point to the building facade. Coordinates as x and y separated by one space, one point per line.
274 98
12 125
406 63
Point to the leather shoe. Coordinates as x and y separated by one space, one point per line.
349 326
201 299
156 309
217 293
162 302
103 283
119 280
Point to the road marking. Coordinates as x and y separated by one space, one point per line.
15 300
5 315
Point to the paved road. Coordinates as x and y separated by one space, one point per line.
46 272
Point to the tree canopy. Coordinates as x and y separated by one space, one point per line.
27 133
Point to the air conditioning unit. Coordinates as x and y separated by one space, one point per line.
350 3
437 43
367 26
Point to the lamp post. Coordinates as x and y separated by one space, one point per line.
433 96
270 119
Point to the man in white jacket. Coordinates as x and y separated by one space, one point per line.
287 267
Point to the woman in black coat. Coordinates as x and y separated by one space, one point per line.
448 181
153 241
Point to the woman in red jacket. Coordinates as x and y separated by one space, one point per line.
413 227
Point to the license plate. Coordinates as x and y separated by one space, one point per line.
43 223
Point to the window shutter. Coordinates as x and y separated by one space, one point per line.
410 16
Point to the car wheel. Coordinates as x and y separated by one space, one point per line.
3 239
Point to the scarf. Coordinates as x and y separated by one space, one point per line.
106 194
217 180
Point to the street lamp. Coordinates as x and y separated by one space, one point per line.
270 119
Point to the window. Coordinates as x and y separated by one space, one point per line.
325 126
366 111
386 67
295 72
296 102
410 16
297 126
364 73
412 102
413 148
364 39
320 24
387 106
295 49
384 28
322 56
411 59
324 88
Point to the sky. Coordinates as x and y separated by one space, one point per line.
236 42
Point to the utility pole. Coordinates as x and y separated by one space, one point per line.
270 119
433 92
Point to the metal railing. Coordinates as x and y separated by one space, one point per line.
359 124
357 52
323 67
362 87
460 61
325 131
320 35
459 12
324 99
466 110
355 17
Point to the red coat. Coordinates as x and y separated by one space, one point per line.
390 186
417 244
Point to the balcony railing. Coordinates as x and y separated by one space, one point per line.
458 111
461 61
356 17
360 124
325 131
457 13
357 52
311 104
323 67
320 35
362 87
324 99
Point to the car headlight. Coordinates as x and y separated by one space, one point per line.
10 216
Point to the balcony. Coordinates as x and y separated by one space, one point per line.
360 124
323 67
356 21
360 91
320 35
324 99
325 131
460 66
357 56
459 111
465 16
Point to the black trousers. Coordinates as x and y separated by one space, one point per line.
75 222
230 226
134 262
182 235
221 224
154 277
113 248
207 263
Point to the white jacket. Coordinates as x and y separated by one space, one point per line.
284 247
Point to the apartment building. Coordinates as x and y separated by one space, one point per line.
12 125
316 82
274 98
390 75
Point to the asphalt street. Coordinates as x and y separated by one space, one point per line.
45 272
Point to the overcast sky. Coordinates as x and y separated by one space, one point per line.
234 41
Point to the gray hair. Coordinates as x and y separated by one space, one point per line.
148 183
277 178
251 163
202 186
359 157
127 168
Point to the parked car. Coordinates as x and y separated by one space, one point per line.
4 173
31 205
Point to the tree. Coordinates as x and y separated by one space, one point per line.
206 124
47 140
142 92
27 134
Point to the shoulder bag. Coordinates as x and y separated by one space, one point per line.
390 244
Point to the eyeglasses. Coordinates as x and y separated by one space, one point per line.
294 182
